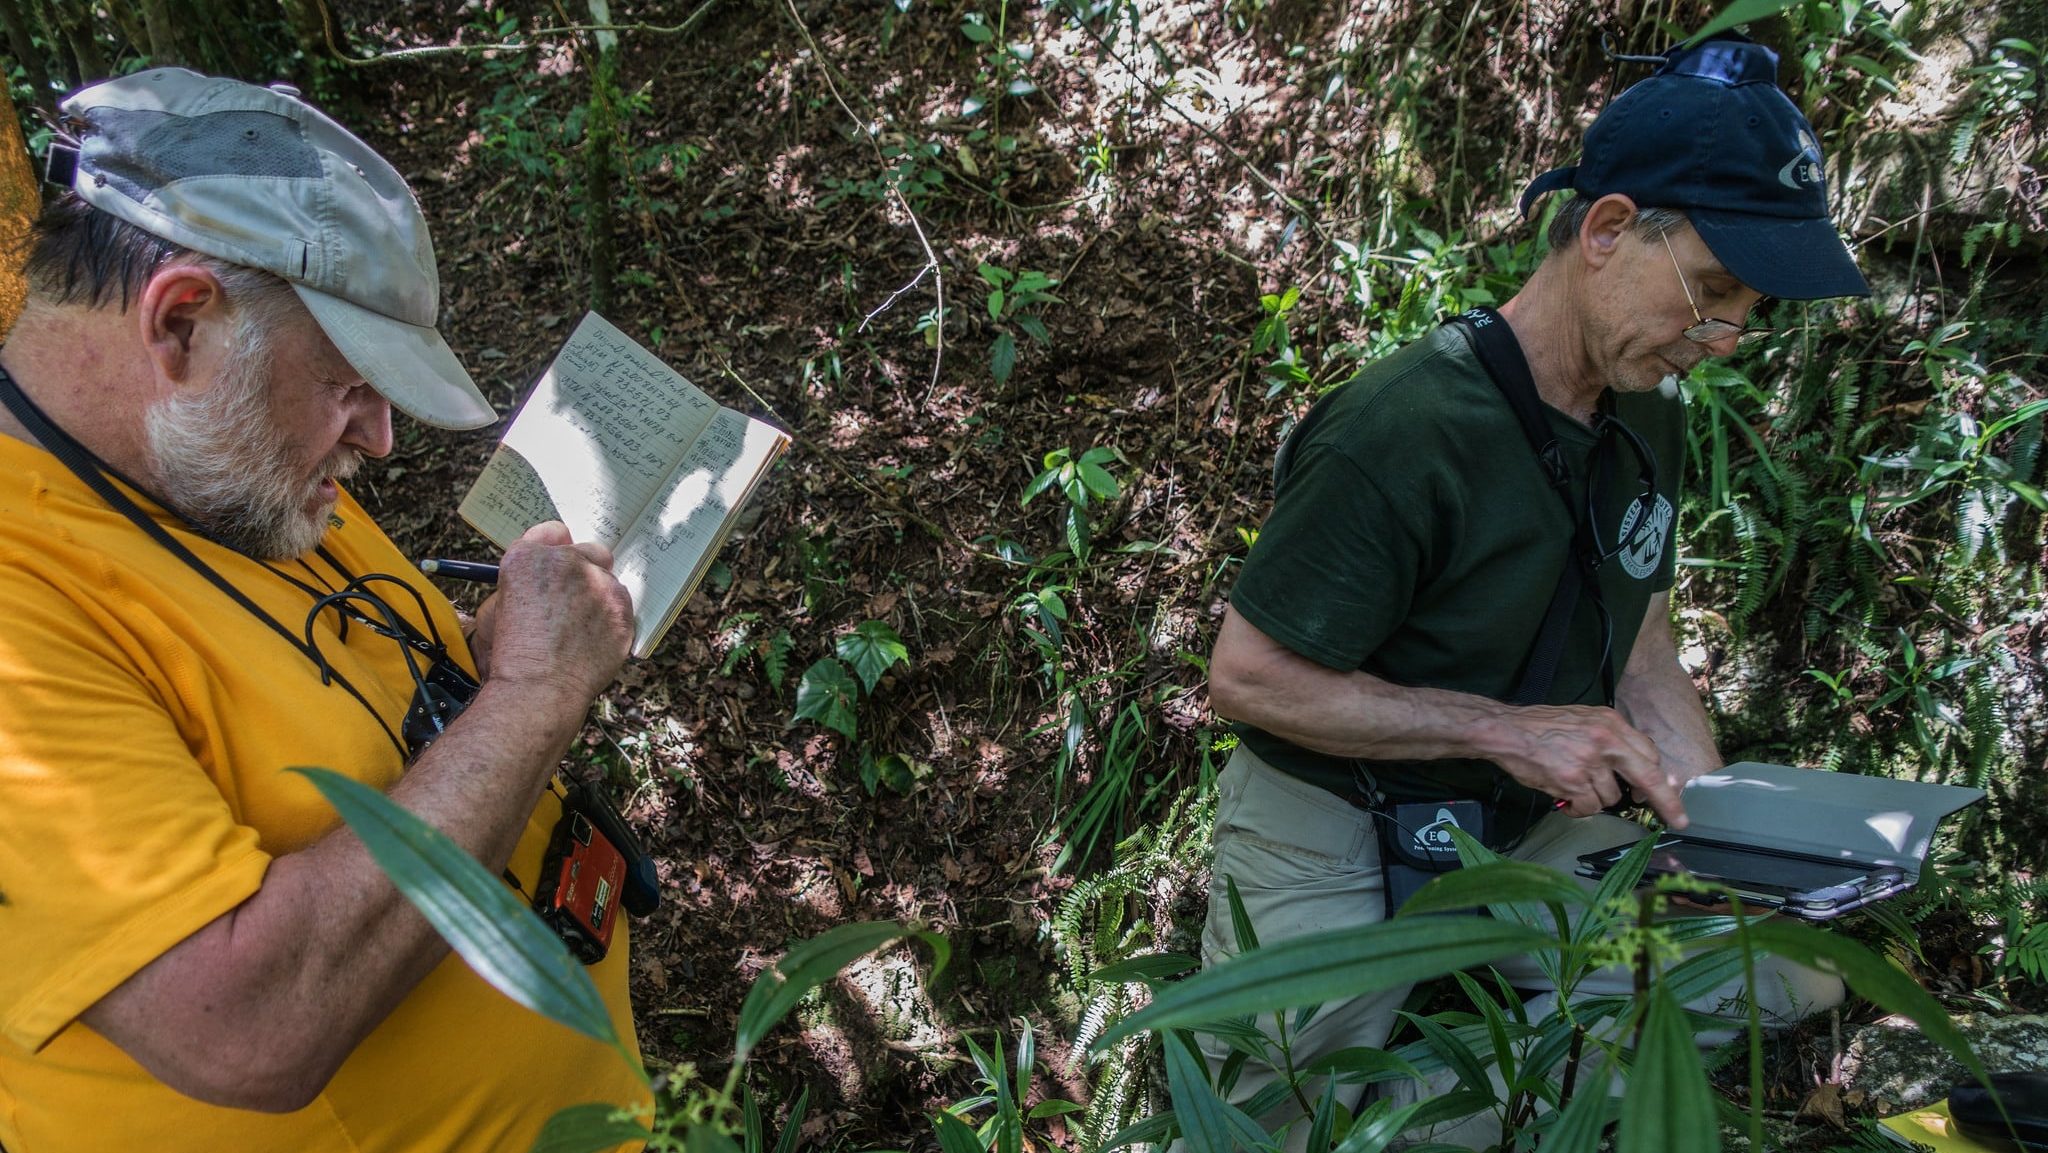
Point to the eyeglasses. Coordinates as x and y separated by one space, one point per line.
1707 330
440 691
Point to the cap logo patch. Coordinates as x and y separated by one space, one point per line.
1805 167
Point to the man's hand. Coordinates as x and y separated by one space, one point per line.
559 617
1584 756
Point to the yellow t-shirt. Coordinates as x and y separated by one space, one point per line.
146 721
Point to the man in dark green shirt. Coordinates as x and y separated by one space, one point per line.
1394 596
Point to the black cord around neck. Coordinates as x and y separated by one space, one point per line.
99 476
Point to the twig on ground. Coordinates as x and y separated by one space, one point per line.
689 23
931 258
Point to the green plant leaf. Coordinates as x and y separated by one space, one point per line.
1455 1054
827 695
812 963
1870 975
1668 1107
1002 358
955 1136
871 648
1377 1128
1740 12
1208 1124
792 1129
706 1139
1146 969
1359 1064
588 1128
1098 481
1324 967
1494 883
1583 1119
1054 1109
1241 928
487 925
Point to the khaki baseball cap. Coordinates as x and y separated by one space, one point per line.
258 177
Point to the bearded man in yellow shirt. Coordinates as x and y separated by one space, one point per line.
194 952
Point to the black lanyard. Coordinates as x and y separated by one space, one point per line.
100 476
1500 354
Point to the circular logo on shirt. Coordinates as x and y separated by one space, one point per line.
1642 538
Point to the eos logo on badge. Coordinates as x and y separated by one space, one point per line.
1642 539
1805 168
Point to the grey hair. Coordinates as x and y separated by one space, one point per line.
78 254
1650 224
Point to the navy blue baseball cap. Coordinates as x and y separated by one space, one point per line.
1711 134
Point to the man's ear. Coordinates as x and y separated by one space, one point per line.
1606 223
181 308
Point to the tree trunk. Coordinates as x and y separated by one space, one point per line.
39 13
162 29
76 25
21 39
601 159
19 203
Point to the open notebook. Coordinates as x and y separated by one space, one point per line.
619 447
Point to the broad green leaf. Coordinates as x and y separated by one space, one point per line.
1208 1124
487 925
955 1136
1146 969
1325 967
995 304
827 695
1054 1109
1870 975
895 770
810 964
1668 1107
588 1128
980 34
871 648
1494 883
1039 484
1098 481
1740 12
1002 358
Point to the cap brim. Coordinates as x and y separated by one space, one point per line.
411 365
1790 259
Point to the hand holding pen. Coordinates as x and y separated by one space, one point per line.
463 570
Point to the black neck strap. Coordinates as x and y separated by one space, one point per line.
99 476
1501 355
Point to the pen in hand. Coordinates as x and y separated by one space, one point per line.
461 570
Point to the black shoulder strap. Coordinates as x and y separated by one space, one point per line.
1501 355
93 472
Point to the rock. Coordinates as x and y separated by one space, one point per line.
1894 1061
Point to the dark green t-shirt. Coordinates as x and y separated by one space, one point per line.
1413 536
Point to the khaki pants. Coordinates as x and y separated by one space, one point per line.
1307 861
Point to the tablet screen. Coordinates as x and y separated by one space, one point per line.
1737 866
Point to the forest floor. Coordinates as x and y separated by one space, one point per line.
765 256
